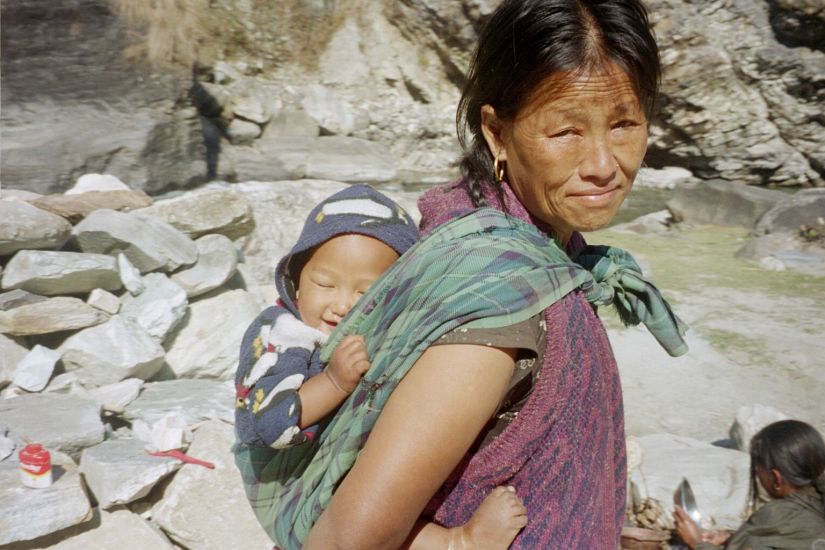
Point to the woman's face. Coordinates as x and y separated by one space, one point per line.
572 153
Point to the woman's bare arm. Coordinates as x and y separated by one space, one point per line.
426 427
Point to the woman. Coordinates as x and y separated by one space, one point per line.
490 365
788 461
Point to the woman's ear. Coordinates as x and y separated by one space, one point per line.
492 128
777 481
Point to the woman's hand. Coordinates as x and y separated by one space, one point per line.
426 427
686 528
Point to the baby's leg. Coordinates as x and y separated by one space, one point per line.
497 521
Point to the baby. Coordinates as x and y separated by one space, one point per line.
282 390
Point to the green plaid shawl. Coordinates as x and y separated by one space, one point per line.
482 270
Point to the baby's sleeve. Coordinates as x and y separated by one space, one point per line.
275 360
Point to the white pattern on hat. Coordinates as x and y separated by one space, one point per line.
363 207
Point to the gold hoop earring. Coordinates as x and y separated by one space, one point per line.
499 169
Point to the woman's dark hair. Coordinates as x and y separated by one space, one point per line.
794 448
526 41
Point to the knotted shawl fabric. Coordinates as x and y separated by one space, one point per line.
482 270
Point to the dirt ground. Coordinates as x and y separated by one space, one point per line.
756 336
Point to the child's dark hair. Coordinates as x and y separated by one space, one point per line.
794 448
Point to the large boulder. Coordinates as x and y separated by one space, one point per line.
108 529
41 315
25 226
721 202
803 209
217 263
53 273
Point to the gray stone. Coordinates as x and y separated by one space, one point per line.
350 160
750 420
217 262
27 514
16 298
722 202
12 351
22 226
111 529
149 243
273 158
792 214
115 397
111 352
55 273
158 309
76 207
35 370
719 477
120 471
289 123
129 275
50 315
18 195
206 344
333 115
664 178
196 400
62 422
96 182
251 109
655 222
211 210
242 132
104 301
7 446
182 514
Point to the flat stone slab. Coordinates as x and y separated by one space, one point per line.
149 243
210 210
120 471
27 513
56 273
50 315
182 513
23 226
350 159
196 400
111 530
217 262
65 423
75 207
111 352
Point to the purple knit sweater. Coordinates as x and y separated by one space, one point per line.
565 450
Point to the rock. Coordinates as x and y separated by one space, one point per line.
251 109
288 123
27 513
158 309
55 273
655 222
104 301
129 275
181 512
273 158
22 226
666 178
111 529
76 207
217 262
197 400
780 251
750 420
18 195
61 422
350 160
111 352
790 215
799 22
206 344
331 114
722 203
7 446
35 370
50 315
120 471
719 477
115 397
97 182
242 132
149 244
12 351
211 210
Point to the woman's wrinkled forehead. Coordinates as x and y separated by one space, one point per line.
565 89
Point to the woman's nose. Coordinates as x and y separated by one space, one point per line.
599 164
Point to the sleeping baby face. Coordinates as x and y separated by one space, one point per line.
337 274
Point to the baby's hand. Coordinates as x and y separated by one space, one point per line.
348 363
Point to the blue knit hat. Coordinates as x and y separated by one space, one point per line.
356 209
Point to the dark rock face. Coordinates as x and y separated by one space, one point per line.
72 103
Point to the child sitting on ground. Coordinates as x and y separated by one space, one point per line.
282 390
788 460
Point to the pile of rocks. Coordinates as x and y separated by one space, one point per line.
116 310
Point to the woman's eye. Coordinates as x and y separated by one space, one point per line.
563 133
626 124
